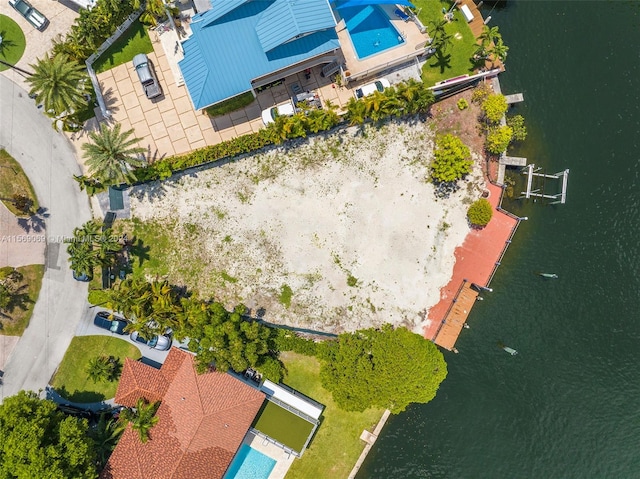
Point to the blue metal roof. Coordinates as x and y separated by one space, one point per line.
224 53
286 20
361 3
219 8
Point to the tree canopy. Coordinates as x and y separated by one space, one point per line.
498 139
227 339
40 441
386 367
451 159
494 107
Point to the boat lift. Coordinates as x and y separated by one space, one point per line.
537 189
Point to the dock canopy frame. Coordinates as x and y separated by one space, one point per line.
536 185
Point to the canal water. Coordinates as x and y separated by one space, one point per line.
568 405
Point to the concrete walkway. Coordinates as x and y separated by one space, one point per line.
22 240
48 159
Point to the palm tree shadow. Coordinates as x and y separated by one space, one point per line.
140 250
6 42
35 222
442 61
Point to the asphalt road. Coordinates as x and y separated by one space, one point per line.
49 161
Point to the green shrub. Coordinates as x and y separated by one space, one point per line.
494 107
451 159
480 212
285 295
517 125
462 104
480 93
289 341
352 281
498 139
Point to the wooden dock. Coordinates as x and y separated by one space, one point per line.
515 98
513 160
456 317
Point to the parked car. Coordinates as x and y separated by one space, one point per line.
114 324
157 342
283 109
33 16
370 88
79 276
147 76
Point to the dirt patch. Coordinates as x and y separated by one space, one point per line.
338 233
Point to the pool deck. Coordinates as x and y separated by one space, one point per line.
360 68
283 460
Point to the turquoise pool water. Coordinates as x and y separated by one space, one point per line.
370 30
250 464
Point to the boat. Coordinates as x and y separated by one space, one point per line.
511 351
548 275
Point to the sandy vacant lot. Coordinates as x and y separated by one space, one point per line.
347 224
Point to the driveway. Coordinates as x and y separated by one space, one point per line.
87 328
38 43
48 159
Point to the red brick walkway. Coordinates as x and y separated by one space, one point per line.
475 259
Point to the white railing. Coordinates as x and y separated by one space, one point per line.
101 49
391 64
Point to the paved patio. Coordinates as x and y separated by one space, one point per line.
170 125
38 43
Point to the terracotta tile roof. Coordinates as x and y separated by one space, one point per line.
203 419
139 380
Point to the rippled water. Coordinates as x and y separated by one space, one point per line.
568 405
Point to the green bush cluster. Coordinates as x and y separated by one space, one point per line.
451 159
92 27
164 168
480 212
494 107
287 340
498 139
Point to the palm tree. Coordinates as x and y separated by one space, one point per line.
142 418
105 436
58 83
356 112
440 38
500 50
99 369
83 258
112 155
130 298
153 10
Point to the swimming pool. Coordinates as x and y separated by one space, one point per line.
370 30
250 464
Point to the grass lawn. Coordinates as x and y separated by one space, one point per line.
336 446
152 246
14 181
16 320
135 40
457 59
232 104
70 380
13 42
283 426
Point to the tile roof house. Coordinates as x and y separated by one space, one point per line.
238 45
203 419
